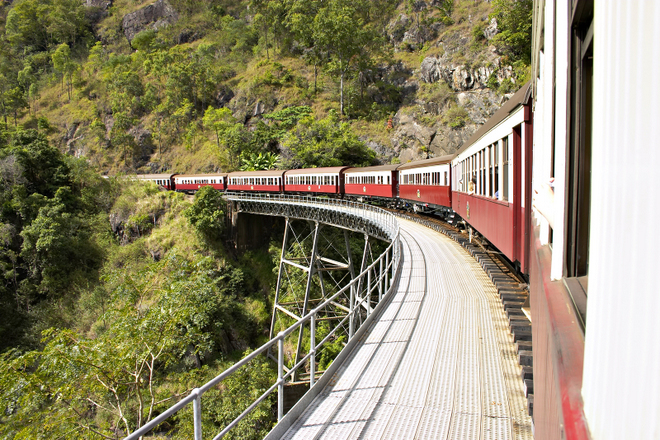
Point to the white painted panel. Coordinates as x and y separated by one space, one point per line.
621 384
561 110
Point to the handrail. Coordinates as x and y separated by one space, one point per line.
387 267
384 220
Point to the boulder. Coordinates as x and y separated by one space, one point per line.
154 16
143 142
491 30
224 96
462 78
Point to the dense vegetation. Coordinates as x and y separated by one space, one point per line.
156 103
117 297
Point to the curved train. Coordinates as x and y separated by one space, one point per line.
580 143
482 182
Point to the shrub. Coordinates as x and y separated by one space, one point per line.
456 116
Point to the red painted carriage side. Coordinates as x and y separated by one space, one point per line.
196 186
313 189
432 194
371 190
374 181
255 188
256 181
492 218
324 180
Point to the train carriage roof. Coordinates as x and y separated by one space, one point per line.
153 176
427 162
189 176
322 170
388 167
264 173
519 98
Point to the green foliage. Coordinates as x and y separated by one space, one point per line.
322 143
446 7
170 317
514 20
456 116
48 219
37 25
288 117
207 213
258 161
339 29
63 64
221 406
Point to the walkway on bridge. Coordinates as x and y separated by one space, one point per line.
438 364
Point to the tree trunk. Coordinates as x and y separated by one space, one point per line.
341 93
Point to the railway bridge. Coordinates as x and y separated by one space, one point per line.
427 350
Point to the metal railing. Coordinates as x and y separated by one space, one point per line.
371 220
376 281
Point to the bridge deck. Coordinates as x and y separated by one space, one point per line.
438 364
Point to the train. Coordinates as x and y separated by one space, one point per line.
481 182
562 181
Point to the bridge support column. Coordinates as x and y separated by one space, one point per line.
314 266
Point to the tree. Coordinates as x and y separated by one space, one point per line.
113 383
57 248
340 30
218 120
323 143
514 20
258 161
207 213
63 64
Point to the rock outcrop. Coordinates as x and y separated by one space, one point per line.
459 77
155 16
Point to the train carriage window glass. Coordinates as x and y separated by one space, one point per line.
446 179
388 179
484 169
579 148
505 169
496 175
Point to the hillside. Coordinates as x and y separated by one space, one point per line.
128 84
118 297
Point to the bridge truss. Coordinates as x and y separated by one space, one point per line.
333 293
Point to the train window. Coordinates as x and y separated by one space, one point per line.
484 168
388 179
505 169
578 156
446 178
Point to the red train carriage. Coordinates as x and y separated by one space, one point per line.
327 180
257 181
490 172
426 182
164 180
372 182
193 182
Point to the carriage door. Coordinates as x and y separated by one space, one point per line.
518 215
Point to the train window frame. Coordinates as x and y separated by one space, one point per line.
505 169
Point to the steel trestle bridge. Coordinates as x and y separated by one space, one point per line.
426 352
